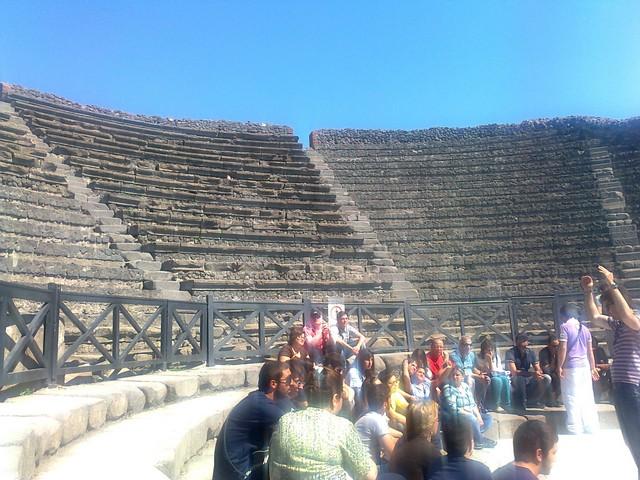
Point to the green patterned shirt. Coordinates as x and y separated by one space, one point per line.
314 444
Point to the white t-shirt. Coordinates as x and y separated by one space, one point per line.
371 427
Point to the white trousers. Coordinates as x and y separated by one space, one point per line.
577 395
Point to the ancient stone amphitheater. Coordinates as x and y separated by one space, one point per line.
208 213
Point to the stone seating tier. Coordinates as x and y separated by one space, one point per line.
211 127
182 191
75 122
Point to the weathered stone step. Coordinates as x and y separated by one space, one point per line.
194 285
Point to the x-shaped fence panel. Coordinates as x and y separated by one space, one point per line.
428 321
534 315
187 323
382 324
491 320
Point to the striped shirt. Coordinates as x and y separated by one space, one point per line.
626 353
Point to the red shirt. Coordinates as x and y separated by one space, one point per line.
435 365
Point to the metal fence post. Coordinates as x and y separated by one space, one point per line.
115 343
165 335
51 333
208 331
513 314
306 311
261 329
556 312
4 306
408 326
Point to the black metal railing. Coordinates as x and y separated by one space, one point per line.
47 334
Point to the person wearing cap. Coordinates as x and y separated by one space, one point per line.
528 387
318 341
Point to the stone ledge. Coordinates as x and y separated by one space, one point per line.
36 426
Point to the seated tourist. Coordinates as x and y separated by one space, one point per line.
437 362
373 426
347 338
315 442
602 386
529 387
295 346
361 373
318 341
548 358
456 465
410 365
420 385
300 369
535 445
415 453
398 400
464 358
488 362
245 434
457 400
336 362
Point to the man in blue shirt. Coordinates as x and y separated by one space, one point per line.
528 387
247 430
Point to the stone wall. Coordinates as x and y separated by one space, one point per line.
487 212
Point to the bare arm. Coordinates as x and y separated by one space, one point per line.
406 379
388 443
591 309
562 355
592 363
622 307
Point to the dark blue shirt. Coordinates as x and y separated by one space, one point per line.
513 472
523 360
247 429
458 468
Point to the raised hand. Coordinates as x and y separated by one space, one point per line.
586 283
606 274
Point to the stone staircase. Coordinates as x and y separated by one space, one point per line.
107 223
401 289
623 232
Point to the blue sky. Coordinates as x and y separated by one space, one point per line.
332 64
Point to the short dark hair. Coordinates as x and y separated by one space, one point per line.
320 387
271 370
531 436
295 332
457 434
568 311
335 361
342 313
298 368
376 394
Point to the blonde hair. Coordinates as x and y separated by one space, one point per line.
421 419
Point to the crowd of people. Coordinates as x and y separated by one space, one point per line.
322 411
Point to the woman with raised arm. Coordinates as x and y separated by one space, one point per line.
617 315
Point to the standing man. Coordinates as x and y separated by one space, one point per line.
617 315
245 434
528 387
577 369
348 339
535 445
